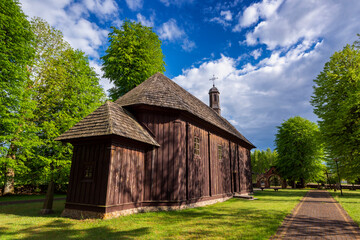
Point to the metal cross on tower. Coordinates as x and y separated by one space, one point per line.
213 79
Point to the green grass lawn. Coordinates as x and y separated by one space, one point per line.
26 197
233 219
350 202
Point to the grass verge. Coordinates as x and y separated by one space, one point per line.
350 202
26 197
233 219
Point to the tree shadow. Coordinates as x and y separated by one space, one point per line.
60 229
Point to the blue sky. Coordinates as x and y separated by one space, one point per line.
265 53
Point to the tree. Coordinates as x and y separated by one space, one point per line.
261 161
336 101
15 107
299 150
66 89
133 56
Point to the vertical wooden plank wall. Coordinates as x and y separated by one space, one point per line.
93 190
168 168
198 169
165 172
126 179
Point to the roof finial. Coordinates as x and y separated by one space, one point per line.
213 79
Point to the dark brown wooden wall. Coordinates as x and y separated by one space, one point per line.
166 170
198 165
89 191
220 168
126 175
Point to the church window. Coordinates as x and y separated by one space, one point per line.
215 98
219 152
88 171
196 146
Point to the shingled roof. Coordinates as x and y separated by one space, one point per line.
108 119
158 90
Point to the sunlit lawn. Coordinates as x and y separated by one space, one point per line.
233 219
350 202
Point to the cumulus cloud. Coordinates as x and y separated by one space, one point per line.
170 31
144 21
251 14
256 53
301 37
134 4
224 19
71 19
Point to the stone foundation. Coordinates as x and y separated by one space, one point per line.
81 214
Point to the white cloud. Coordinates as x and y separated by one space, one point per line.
224 19
70 18
188 45
301 37
178 3
134 4
101 7
257 98
256 53
251 14
144 21
227 15
104 82
297 21
170 31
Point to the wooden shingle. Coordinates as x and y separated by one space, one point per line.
158 90
109 119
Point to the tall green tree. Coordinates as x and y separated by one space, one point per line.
66 90
263 160
134 55
336 101
16 53
299 150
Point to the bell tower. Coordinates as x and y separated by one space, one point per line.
214 97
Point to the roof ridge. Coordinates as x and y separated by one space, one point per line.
159 90
109 117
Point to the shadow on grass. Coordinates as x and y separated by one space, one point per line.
232 219
59 229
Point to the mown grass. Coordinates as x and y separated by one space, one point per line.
233 219
26 197
350 202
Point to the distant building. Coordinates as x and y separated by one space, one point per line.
156 146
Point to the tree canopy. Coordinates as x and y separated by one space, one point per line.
336 101
59 89
133 56
262 160
16 53
299 150
65 89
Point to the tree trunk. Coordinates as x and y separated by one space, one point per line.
302 183
10 173
49 199
9 182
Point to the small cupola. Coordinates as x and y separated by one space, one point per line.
214 97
